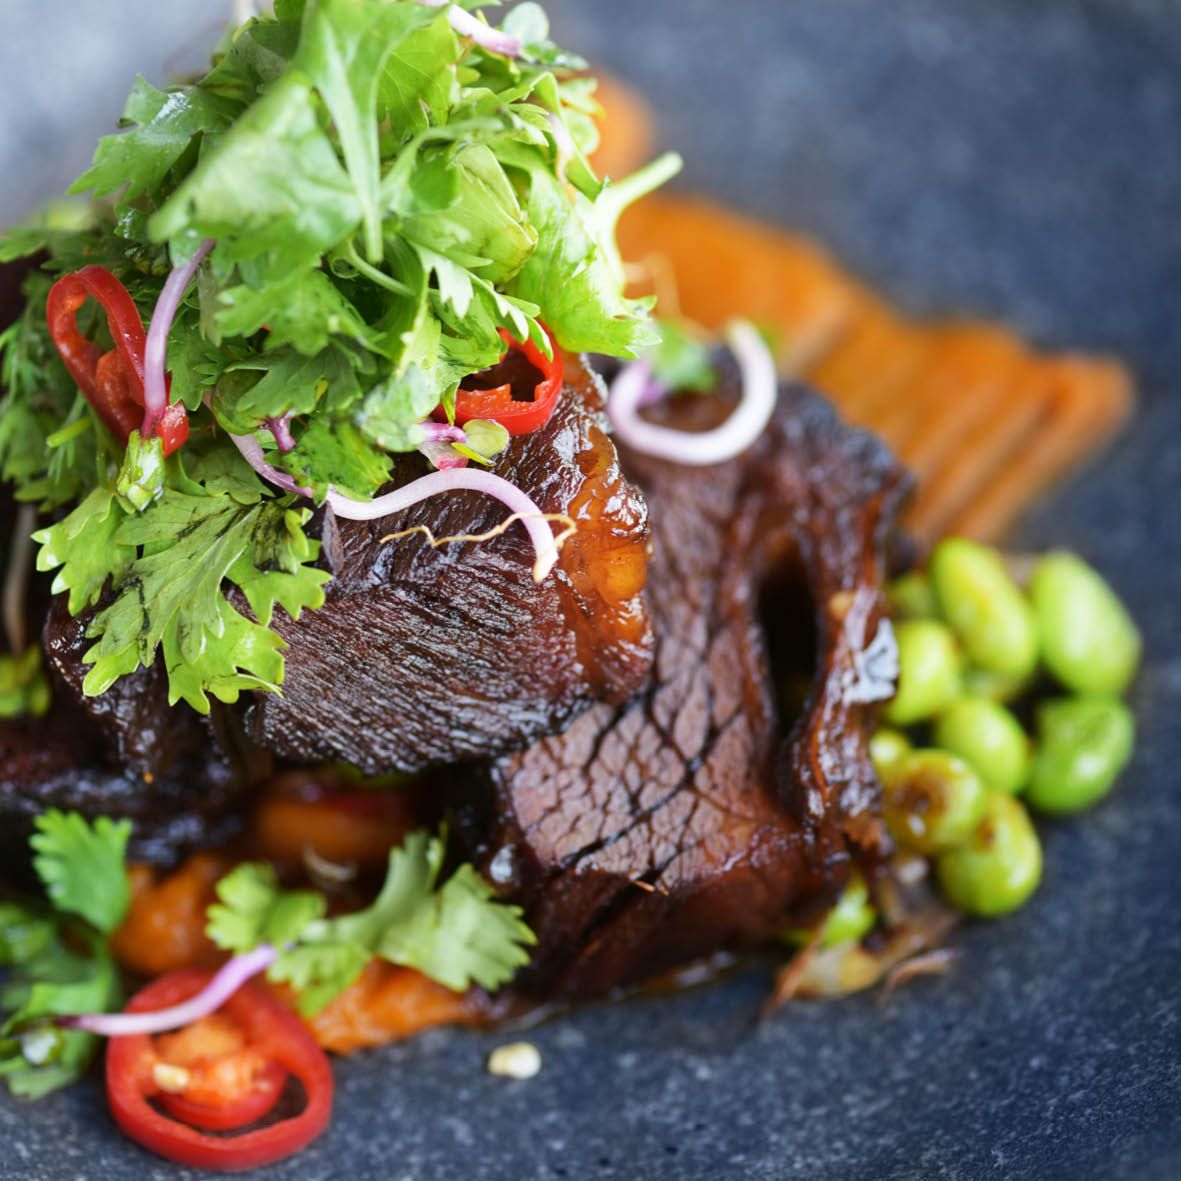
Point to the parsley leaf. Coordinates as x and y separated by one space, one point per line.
457 933
682 361
83 866
253 910
386 197
272 189
163 125
24 684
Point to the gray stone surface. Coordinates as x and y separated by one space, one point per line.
1020 158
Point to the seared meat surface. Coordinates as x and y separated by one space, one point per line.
685 821
63 761
425 656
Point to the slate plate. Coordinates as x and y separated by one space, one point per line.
1022 159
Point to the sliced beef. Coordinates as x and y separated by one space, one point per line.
178 777
143 733
64 761
425 656
683 822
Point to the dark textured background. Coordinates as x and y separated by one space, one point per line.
1019 158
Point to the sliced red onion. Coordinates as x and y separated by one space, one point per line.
631 390
442 432
224 984
155 384
459 480
466 24
252 452
442 456
281 429
453 480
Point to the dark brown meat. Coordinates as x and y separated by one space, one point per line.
143 733
426 656
64 761
684 822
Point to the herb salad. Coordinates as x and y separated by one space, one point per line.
347 216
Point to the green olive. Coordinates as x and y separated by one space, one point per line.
989 739
999 867
1089 641
984 607
910 596
1083 745
931 800
929 671
886 747
851 919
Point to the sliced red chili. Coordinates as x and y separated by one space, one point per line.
517 416
112 382
269 1033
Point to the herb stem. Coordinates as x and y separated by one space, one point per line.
16 578
374 274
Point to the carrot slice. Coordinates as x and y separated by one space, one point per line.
165 925
1088 401
1015 411
727 265
385 1004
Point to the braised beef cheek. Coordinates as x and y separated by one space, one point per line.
697 817
426 656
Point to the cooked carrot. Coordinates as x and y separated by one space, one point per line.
300 813
165 925
868 378
987 366
626 135
950 374
1015 413
1089 400
385 1004
727 265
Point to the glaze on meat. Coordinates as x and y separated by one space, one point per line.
426 656
685 822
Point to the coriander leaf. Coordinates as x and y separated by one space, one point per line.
290 384
163 125
44 978
483 226
418 84
334 452
271 190
575 275
343 50
682 361
273 574
251 909
85 547
320 972
24 684
172 597
83 866
391 410
303 310
465 936
456 935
